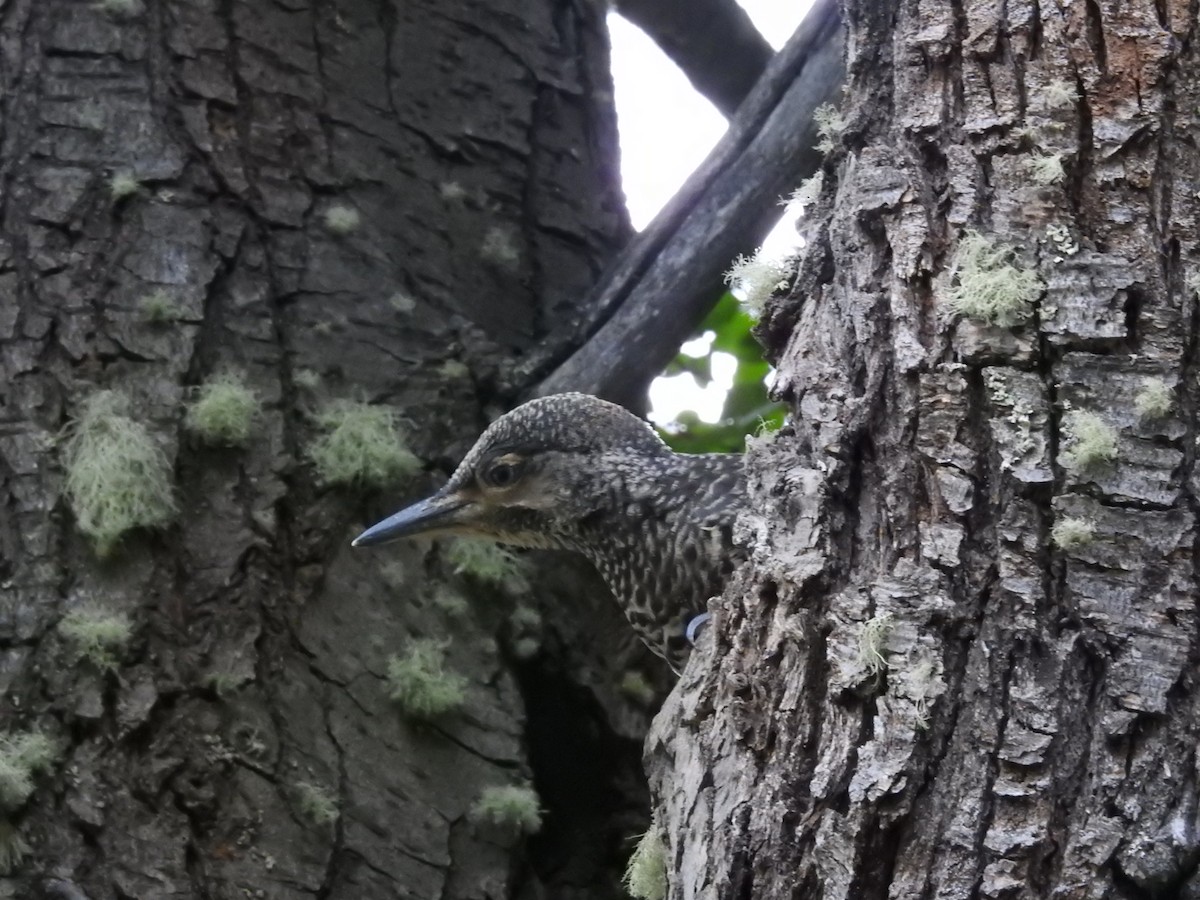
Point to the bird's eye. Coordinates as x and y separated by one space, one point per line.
502 474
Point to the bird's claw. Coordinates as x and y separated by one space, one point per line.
693 627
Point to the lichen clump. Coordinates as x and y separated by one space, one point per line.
223 411
806 195
1071 533
1154 400
22 755
451 602
1093 442
97 634
342 220
991 287
157 307
500 247
1046 168
316 804
830 126
637 688
1057 94
646 873
122 185
13 847
756 278
487 562
419 684
872 643
118 478
526 637
360 444
514 808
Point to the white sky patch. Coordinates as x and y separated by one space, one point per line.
667 129
776 19
672 395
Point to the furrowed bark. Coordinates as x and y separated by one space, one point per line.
377 201
920 686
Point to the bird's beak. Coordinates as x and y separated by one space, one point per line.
442 511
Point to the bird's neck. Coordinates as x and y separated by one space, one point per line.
660 534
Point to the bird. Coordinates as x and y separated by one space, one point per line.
574 472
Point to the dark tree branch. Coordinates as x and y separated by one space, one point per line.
664 283
712 41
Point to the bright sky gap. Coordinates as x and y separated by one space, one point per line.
667 129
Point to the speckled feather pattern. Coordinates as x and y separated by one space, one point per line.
657 525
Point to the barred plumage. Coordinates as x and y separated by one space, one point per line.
575 472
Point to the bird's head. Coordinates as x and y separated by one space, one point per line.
534 470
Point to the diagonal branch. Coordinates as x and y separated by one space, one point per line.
712 41
664 283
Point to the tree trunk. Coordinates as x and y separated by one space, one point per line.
379 202
961 662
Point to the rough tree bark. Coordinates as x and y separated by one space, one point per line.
466 152
914 690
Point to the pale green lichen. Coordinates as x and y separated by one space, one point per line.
806 195
309 379
1046 168
872 642
13 848
122 185
637 688
920 683
454 370
342 220
1092 442
158 307
419 684
513 808
756 278
525 624
23 755
1057 94
1154 400
646 873
223 684
316 804
525 618
830 126
526 648
451 602
402 303
223 410
991 287
360 444
118 478
500 247
487 562
1070 533
97 634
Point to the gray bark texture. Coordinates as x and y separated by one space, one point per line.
924 685
384 201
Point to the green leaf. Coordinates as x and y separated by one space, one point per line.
746 407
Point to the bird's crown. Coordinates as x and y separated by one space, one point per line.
569 423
